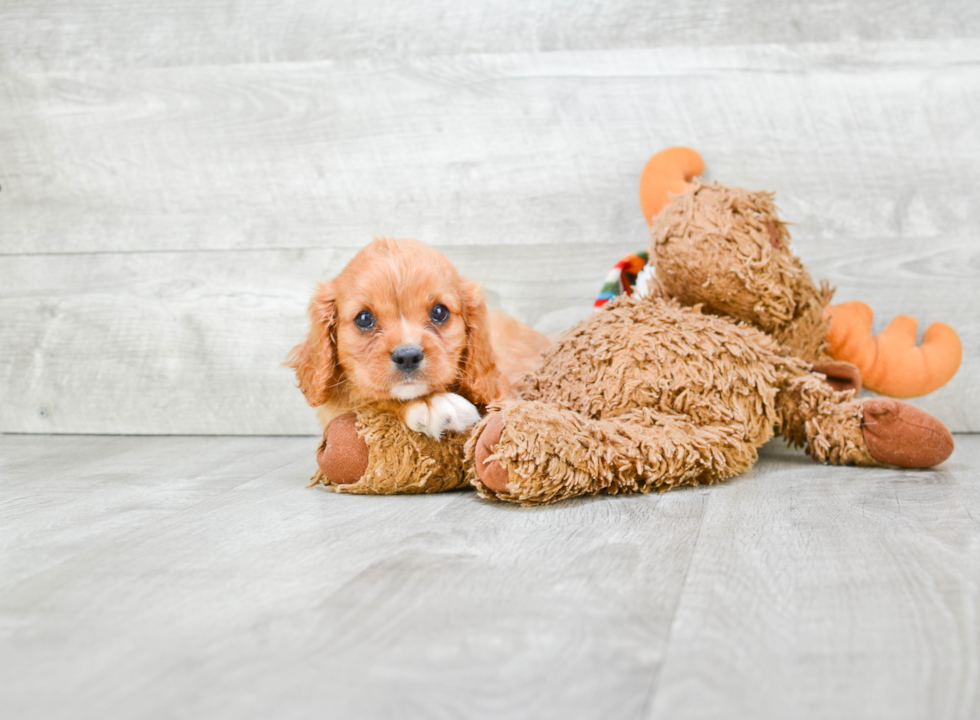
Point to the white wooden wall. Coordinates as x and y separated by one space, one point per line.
176 176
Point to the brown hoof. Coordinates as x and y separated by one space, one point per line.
900 434
841 375
492 474
343 454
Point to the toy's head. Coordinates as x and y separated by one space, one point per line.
727 249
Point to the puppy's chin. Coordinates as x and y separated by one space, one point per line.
409 391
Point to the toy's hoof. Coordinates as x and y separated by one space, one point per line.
841 375
901 434
343 454
492 474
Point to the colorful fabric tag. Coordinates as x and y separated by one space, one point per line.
622 277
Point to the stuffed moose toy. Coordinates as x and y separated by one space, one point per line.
680 386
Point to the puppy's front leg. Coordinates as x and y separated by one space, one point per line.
441 412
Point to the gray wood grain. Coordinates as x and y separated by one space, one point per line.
74 495
101 34
163 228
859 141
194 342
173 580
866 578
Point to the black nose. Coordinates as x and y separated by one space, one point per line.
407 357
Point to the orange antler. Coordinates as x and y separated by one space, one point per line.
890 362
667 173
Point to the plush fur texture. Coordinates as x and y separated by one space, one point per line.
649 394
727 249
396 459
683 386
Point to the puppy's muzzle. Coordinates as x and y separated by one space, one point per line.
407 358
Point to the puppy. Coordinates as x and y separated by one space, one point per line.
399 327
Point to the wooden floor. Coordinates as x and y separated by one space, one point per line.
158 577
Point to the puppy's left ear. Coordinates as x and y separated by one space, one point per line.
480 380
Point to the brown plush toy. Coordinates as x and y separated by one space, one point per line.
683 386
714 261
727 250
679 387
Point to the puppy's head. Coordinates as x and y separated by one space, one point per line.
398 323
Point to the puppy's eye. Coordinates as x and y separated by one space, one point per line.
364 320
439 314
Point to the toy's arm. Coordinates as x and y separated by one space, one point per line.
890 362
371 452
667 173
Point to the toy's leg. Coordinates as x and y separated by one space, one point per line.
838 429
901 434
533 453
373 453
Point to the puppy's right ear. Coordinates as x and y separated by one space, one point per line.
315 359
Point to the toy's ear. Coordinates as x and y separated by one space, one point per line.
667 173
840 375
890 362
315 359
480 380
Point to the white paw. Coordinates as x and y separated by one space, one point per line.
445 411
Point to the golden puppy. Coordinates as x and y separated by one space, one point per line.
400 327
